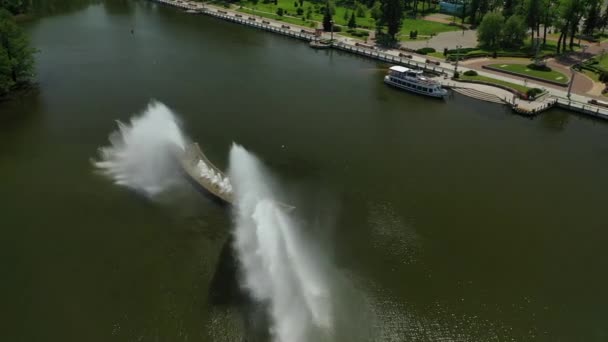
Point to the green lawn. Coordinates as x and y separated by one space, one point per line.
425 27
603 62
316 15
523 70
525 51
341 17
287 20
438 54
515 86
592 75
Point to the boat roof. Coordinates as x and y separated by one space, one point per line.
399 68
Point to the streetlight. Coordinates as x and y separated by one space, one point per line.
458 47
570 85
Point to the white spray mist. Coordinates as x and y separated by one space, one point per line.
141 155
280 267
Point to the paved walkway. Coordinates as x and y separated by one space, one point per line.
466 39
582 83
577 99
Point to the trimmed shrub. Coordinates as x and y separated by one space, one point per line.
300 11
538 67
425 50
470 73
456 75
280 11
532 93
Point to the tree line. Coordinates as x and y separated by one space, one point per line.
16 55
507 22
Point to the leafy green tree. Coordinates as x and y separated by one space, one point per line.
376 10
490 30
593 18
345 16
392 16
352 22
280 11
360 10
16 56
15 6
509 8
604 20
6 82
327 20
332 7
533 12
309 12
301 3
514 32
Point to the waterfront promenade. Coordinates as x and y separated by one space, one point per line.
554 97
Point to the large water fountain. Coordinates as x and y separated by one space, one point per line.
279 269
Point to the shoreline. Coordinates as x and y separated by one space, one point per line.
573 103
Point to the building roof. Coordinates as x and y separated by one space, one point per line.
399 68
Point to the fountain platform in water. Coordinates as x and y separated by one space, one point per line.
205 176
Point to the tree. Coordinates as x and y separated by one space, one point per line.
15 6
604 20
346 16
593 18
514 32
6 82
352 23
392 16
533 12
301 3
16 56
327 20
280 11
376 10
490 29
308 12
359 10
332 7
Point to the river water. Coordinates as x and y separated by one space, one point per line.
447 221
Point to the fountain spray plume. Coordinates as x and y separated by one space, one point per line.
141 154
280 267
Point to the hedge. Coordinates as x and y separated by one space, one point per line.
425 50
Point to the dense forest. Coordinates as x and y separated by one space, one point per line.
16 55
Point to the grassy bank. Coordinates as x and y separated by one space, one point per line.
311 15
524 70
490 80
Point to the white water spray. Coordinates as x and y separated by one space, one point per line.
280 268
141 155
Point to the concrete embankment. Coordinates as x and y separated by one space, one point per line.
578 103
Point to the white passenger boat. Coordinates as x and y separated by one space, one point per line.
413 80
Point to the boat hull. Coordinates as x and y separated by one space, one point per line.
204 191
440 95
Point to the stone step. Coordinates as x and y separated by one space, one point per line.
476 94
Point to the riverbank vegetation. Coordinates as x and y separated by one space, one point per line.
395 18
531 70
16 55
483 79
505 23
